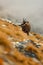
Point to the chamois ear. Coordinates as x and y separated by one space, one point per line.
24 21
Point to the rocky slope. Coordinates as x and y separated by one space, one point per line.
18 48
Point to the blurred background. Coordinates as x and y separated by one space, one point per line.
16 10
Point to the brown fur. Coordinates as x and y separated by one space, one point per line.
26 26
